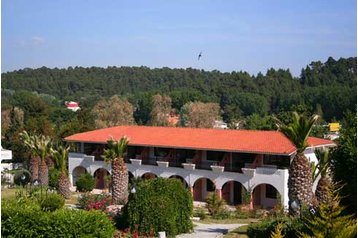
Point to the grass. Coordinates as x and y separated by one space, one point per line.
239 232
8 193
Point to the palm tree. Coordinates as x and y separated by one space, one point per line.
43 150
30 142
300 176
60 155
115 155
325 182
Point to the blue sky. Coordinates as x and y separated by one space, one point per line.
233 35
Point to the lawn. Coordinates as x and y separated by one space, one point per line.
237 233
229 221
9 193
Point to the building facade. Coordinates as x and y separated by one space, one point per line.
235 164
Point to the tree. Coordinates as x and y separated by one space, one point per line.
300 175
60 155
30 143
162 106
114 112
115 155
344 162
43 150
329 222
325 182
200 115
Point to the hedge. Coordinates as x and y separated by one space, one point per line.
161 205
263 229
19 219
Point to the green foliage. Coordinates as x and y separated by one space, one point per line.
85 183
263 229
323 164
329 222
159 204
344 162
215 204
277 233
53 176
22 177
299 130
25 219
116 149
52 202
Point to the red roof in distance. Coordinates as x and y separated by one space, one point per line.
247 141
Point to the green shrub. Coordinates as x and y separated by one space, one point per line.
89 201
26 219
201 213
290 227
85 183
52 202
53 176
22 177
215 204
160 205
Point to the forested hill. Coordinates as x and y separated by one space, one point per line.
329 87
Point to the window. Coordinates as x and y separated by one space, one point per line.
215 155
271 191
280 161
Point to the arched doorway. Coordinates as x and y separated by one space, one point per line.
265 196
76 173
185 184
232 192
149 176
102 178
201 188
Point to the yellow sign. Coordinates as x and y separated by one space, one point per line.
334 126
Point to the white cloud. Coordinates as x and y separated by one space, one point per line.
37 41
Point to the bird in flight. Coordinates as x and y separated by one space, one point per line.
199 56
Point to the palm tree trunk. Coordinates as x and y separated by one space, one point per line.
323 189
119 181
50 163
300 184
34 167
43 173
64 185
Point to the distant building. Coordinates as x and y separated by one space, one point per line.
72 106
333 131
220 125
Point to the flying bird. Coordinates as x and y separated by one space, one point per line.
199 56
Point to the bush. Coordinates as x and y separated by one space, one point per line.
94 201
160 205
53 176
85 183
215 204
20 219
22 177
52 202
291 227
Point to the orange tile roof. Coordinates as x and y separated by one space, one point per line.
249 141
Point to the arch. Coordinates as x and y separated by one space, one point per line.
265 195
232 192
149 175
77 172
102 179
201 188
185 184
